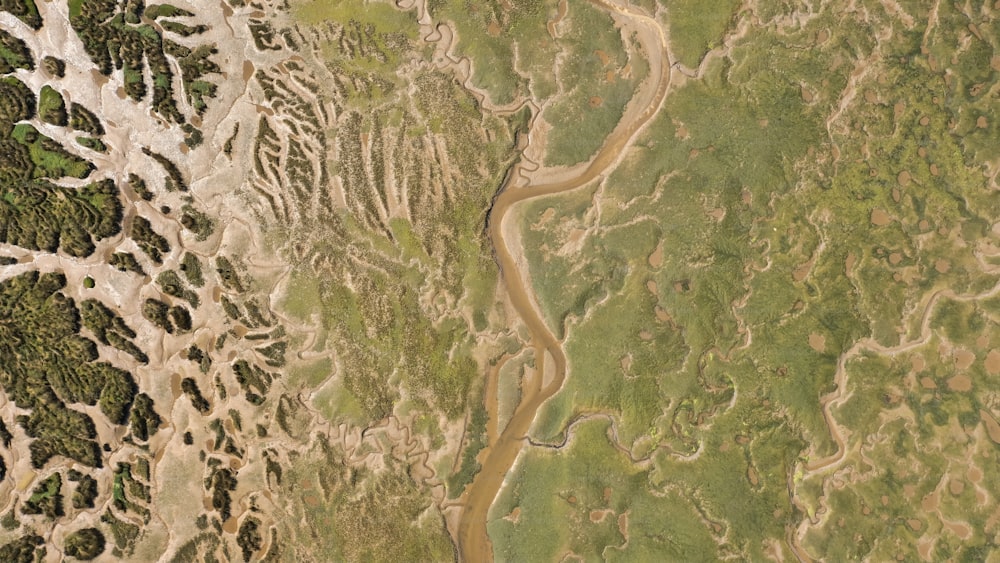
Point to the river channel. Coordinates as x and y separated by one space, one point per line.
499 457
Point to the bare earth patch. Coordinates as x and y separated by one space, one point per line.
960 529
956 486
960 382
992 362
598 516
817 342
964 358
880 218
656 258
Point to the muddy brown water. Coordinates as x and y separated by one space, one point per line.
473 540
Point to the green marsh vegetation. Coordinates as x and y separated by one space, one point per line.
374 290
596 75
54 66
82 119
148 240
14 54
26 549
402 279
84 544
110 329
52 107
85 491
116 38
41 377
34 212
46 498
358 513
599 73
487 34
588 499
697 26
776 214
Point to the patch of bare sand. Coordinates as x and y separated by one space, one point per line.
802 272
960 529
598 516
626 362
992 362
661 314
964 358
956 486
656 258
930 502
514 516
942 265
924 547
880 218
623 525
817 342
960 382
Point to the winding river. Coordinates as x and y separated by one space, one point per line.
473 540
